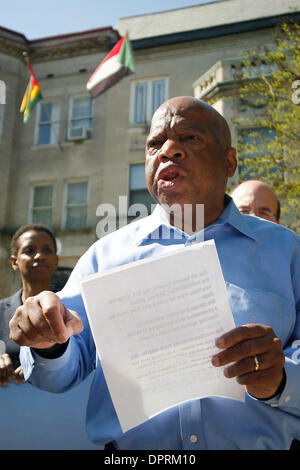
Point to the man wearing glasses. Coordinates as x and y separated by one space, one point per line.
257 198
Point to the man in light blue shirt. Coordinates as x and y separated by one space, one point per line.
188 161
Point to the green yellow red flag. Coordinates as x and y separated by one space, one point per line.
32 95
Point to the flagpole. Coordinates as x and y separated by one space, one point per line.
25 55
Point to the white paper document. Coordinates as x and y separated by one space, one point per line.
154 323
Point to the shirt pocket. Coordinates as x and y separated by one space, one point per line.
252 305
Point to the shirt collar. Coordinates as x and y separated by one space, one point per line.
152 223
231 215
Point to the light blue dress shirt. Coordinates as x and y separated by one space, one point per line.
261 266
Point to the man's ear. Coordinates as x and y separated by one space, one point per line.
14 262
231 161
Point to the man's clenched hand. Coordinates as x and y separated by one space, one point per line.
43 321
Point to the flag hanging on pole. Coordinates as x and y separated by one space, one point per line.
32 95
115 66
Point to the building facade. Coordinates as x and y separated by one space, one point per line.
77 163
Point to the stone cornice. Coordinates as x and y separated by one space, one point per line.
213 32
58 47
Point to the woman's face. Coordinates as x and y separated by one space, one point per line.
36 258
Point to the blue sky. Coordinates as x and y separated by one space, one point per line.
51 17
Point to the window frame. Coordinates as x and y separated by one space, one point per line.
130 190
70 118
2 115
149 81
31 200
66 206
38 123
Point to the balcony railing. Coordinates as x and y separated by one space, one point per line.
227 72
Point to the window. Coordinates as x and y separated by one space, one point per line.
1 118
138 189
76 205
48 123
252 145
81 118
147 96
41 204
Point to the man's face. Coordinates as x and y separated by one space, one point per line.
187 161
255 199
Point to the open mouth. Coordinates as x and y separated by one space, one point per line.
170 177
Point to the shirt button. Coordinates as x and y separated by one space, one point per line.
287 398
193 438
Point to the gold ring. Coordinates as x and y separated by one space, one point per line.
256 363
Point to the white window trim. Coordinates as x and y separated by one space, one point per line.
70 111
37 124
31 197
65 196
139 162
2 107
147 80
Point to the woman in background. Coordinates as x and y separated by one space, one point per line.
33 254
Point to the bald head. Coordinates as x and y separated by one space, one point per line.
214 120
257 198
188 156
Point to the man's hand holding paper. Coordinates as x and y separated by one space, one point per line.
257 357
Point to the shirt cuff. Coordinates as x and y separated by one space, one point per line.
289 397
30 360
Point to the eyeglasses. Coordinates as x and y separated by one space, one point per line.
263 212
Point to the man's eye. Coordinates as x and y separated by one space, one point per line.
192 137
265 212
155 144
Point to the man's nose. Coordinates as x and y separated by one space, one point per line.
39 254
171 150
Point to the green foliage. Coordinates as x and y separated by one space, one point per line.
269 144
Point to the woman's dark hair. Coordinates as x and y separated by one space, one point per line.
27 228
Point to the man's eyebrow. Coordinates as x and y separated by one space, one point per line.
154 135
264 208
